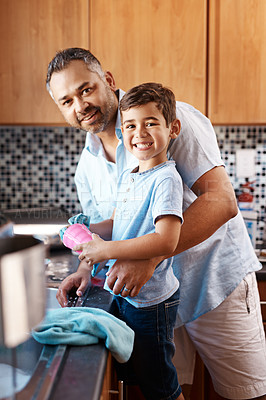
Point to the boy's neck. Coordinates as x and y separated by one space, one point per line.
151 163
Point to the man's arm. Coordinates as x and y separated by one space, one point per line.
216 204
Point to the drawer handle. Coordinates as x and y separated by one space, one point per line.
120 390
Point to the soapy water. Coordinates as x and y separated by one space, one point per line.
6 380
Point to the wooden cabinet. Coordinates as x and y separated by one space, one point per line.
237 62
212 53
108 379
31 31
113 389
153 40
137 41
262 290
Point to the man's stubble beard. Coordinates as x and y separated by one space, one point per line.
107 115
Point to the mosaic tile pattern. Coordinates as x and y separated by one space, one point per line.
38 165
233 138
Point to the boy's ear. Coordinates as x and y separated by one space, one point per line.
175 128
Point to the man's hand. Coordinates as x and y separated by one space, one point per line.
78 280
130 275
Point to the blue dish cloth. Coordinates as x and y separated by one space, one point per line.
81 326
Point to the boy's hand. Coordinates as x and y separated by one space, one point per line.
92 252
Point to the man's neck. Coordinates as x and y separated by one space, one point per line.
109 141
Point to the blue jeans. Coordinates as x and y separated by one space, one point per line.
150 365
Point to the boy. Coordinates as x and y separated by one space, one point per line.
146 223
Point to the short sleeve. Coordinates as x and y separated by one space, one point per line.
168 198
195 150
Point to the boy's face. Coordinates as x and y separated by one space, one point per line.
85 99
146 135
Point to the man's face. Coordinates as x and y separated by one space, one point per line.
86 101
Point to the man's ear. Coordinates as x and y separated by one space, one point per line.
110 80
175 128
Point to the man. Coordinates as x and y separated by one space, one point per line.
219 312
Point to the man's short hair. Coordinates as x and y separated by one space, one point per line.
64 57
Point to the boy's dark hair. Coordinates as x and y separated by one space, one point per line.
151 92
64 57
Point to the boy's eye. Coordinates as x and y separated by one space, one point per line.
151 124
130 126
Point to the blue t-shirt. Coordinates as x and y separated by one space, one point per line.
207 273
142 197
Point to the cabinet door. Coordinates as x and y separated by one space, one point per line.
237 61
153 40
31 31
262 291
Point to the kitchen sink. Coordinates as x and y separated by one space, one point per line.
51 300
23 367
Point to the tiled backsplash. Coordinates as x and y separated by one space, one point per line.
38 165
231 139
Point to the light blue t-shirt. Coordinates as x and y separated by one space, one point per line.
142 197
207 273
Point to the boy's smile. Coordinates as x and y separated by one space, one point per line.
146 135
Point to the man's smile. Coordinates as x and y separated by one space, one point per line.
88 117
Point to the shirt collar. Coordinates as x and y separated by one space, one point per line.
118 119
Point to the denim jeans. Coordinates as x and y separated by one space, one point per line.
150 365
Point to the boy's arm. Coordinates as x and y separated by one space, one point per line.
103 228
160 243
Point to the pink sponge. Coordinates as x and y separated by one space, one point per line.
76 234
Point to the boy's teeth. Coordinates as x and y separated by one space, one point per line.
143 145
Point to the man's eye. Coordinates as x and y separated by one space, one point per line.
86 90
66 102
